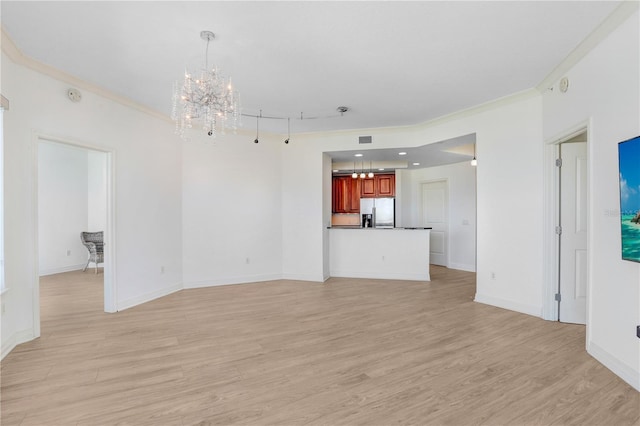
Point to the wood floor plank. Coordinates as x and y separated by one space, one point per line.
344 352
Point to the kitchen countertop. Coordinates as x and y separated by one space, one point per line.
359 227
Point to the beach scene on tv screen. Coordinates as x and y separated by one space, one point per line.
629 155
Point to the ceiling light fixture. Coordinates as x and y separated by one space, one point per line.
354 174
370 171
358 155
286 141
205 96
402 153
474 162
258 127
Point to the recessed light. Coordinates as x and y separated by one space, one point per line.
416 164
380 169
336 171
402 153
358 155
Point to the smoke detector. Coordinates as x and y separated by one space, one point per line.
74 95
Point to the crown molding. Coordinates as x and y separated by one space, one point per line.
14 54
623 12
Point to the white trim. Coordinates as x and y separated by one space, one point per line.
535 311
148 297
233 280
462 267
16 339
381 275
600 33
60 270
622 370
318 278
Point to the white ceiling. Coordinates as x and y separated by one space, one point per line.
392 63
449 151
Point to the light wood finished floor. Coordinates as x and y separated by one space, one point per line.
350 351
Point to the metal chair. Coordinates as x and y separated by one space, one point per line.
94 242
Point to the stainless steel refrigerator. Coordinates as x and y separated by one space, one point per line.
382 211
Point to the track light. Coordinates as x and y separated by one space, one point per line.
257 127
286 141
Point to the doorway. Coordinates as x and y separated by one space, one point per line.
567 226
435 213
72 192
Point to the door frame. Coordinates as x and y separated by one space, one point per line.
448 227
110 288
551 240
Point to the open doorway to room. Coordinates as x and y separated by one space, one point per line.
73 195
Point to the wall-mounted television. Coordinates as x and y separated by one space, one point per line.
629 167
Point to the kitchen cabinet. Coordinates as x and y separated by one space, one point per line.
346 195
378 186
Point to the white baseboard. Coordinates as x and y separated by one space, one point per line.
620 369
233 280
382 275
462 267
62 269
14 340
319 278
138 300
535 311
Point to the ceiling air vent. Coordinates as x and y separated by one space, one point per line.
364 139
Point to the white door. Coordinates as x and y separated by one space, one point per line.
573 237
435 206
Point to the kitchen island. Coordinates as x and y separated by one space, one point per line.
385 253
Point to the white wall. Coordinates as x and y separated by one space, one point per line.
96 191
148 174
62 207
231 209
461 180
604 88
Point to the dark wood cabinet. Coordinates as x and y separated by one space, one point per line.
386 185
346 194
378 186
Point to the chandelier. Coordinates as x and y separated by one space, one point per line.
205 97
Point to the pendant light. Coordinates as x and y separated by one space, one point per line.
474 162
286 141
370 170
257 127
362 175
354 175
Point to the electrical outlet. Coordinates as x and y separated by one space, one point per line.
247 261
383 258
68 252
493 275
162 269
